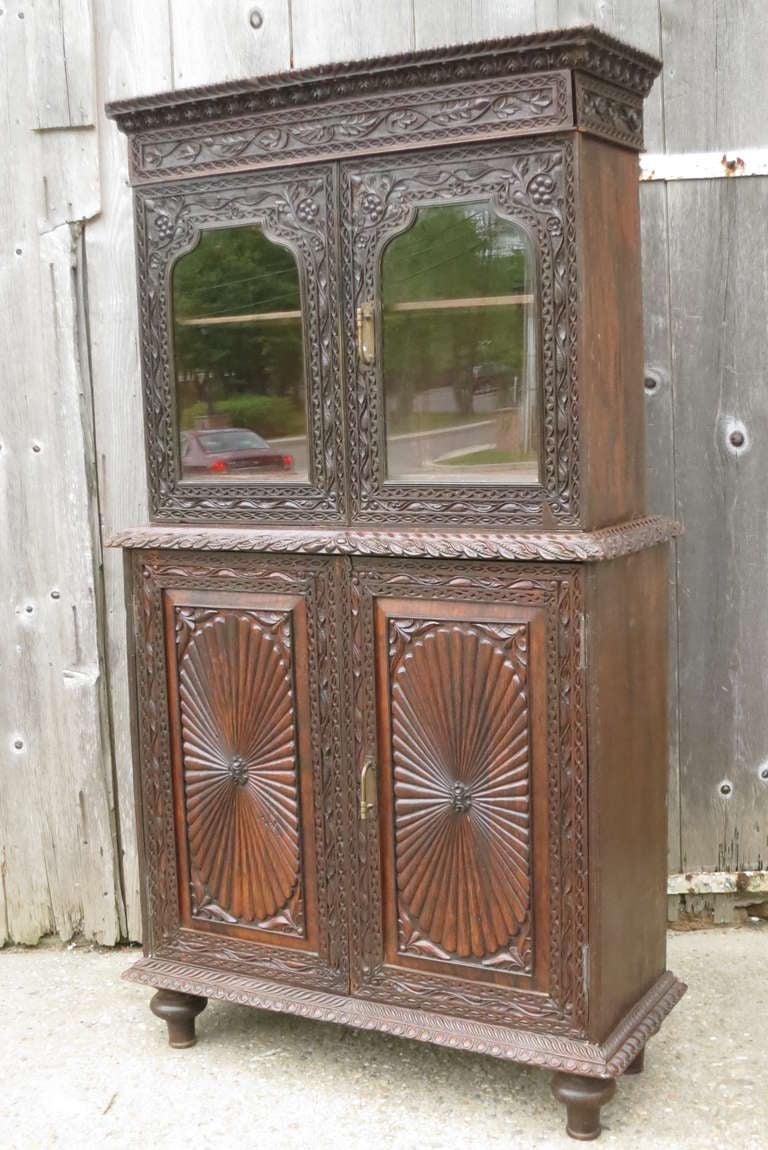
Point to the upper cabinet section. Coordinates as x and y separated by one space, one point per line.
403 292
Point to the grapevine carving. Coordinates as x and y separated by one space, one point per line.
488 107
608 111
532 184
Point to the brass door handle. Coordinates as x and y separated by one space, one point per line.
366 333
367 790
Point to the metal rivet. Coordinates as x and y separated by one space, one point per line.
35 446
55 594
651 383
20 15
726 788
255 18
764 774
18 744
29 608
736 438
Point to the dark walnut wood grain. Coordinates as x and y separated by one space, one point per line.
461 790
400 746
240 765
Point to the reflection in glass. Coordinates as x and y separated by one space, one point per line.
459 349
239 356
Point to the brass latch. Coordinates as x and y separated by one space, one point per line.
366 333
367 790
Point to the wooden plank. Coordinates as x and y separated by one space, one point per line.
719 301
61 65
660 445
56 805
468 20
218 40
715 78
349 30
133 48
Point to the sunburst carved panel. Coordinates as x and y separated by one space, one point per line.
239 767
462 794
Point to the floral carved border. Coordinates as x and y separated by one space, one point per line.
152 573
299 212
480 109
531 183
605 110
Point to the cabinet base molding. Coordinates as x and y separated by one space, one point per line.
579 1056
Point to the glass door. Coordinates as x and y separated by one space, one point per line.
240 338
459 345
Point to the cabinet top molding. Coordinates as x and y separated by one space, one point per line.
596 84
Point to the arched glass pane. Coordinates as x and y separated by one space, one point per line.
239 355
459 356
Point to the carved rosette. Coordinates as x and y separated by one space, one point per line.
460 737
240 767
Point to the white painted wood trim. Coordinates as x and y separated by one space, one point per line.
719 882
703 165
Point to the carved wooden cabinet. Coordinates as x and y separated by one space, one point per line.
399 619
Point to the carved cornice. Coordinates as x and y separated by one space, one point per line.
554 1052
529 546
395 101
605 110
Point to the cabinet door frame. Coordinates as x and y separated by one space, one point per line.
555 590
322 961
532 183
296 208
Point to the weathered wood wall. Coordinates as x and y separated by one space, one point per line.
71 442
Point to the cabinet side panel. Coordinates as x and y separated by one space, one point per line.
627 631
610 335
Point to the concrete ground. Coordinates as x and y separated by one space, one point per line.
85 1064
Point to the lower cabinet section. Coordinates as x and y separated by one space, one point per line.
368 777
364 796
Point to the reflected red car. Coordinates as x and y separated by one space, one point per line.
229 450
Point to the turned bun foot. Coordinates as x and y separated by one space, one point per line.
583 1098
179 1011
637 1064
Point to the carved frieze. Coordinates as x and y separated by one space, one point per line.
605 110
476 110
